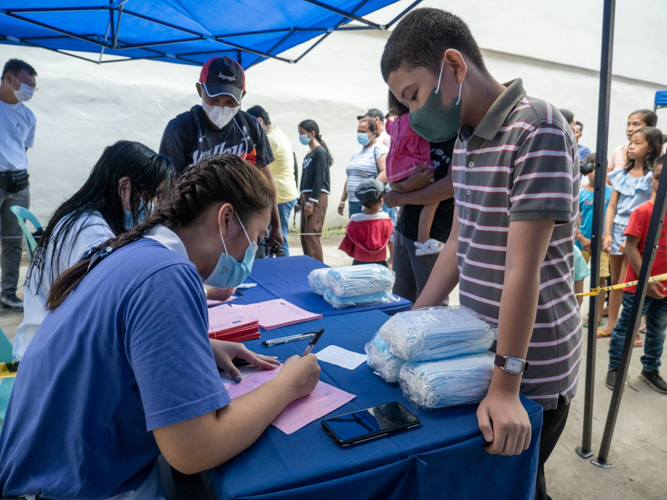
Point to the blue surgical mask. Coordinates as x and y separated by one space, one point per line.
363 139
143 210
228 273
434 122
303 139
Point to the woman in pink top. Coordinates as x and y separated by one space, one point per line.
637 119
407 152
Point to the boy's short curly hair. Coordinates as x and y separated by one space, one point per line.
421 39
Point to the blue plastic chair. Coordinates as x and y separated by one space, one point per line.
660 100
23 214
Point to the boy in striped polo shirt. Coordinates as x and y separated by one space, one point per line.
515 180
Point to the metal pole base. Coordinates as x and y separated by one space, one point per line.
602 465
584 454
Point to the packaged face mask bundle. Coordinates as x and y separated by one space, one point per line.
359 300
352 281
448 382
437 333
354 285
382 361
316 280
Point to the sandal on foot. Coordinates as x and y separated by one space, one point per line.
428 247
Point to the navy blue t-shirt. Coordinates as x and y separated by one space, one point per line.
126 353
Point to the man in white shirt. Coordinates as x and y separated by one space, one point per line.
378 116
17 134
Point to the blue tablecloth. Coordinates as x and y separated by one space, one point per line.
443 458
287 278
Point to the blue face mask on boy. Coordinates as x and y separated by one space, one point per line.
228 273
143 210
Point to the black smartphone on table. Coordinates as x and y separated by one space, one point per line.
372 423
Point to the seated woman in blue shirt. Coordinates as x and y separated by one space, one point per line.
122 368
111 201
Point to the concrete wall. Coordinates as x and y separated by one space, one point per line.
553 46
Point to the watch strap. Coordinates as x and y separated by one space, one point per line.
500 362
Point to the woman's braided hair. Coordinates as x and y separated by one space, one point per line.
220 179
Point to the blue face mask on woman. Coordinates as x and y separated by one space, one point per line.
363 139
143 210
303 139
228 273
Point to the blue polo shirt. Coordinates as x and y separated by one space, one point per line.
126 353
586 211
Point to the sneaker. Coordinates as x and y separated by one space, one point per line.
611 379
11 302
654 380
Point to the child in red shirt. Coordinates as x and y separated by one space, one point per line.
368 233
407 152
655 304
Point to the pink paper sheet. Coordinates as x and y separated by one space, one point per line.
276 313
322 401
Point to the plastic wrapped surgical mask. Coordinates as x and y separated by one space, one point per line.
437 333
448 382
382 361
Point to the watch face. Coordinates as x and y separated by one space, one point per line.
513 365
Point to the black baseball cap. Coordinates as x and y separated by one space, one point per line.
223 76
373 112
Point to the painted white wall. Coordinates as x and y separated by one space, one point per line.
553 46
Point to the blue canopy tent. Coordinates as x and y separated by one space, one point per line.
182 31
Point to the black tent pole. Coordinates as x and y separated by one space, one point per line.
585 450
652 239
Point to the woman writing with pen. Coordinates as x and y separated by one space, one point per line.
122 368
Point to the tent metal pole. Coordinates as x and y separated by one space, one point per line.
584 450
345 14
652 239
408 9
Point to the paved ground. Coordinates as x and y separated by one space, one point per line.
639 447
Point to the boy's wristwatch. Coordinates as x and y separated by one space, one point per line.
510 364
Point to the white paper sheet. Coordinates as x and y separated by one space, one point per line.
341 357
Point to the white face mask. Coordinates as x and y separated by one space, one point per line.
25 93
218 115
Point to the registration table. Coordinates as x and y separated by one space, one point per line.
442 459
287 278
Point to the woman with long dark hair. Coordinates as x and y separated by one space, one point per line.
118 193
315 186
123 370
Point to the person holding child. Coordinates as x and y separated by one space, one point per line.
368 233
655 304
408 151
515 179
632 187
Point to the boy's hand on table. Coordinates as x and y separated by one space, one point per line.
656 290
504 423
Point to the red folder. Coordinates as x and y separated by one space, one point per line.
231 325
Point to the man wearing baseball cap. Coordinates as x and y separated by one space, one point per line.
378 116
219 126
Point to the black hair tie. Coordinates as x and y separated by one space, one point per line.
96 256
